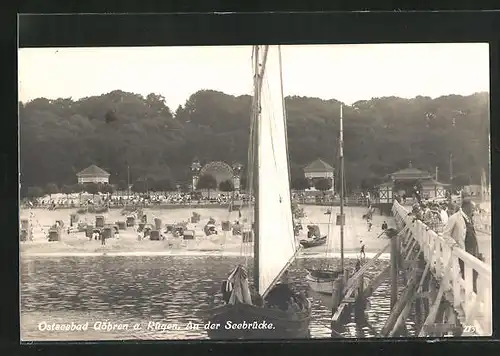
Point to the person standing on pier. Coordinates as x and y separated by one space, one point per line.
460 227
443 214
416 194
427 213
362 253
358 265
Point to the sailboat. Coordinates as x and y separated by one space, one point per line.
323 280
258 312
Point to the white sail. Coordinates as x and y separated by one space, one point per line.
277 243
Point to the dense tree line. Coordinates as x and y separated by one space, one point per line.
118 130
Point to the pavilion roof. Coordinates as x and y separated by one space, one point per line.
318 166
93 171
410 173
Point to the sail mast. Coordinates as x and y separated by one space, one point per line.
341 152
256 110
128 182
284 112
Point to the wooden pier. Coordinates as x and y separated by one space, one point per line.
442 300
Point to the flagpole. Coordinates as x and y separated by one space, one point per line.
341 151
128 182
489 161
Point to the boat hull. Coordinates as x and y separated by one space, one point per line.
313 243
266 323
323 287
321 281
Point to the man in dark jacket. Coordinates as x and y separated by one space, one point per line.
471 244
460 227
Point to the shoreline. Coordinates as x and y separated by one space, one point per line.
193 253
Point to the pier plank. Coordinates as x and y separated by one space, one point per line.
376 282
437 302
351 286
401 303
352 281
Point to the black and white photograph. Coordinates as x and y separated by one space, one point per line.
255 192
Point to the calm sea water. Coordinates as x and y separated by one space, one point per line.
145 290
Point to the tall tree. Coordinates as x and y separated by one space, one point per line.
92 188
323 184
164 185
226 186
143 185
369 184
78 188
300 183
34 192
208 182
67 189
122 185
460 180
184 187
59 138
51 189
107 188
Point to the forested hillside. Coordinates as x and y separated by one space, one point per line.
61 137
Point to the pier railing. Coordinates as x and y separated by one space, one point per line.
472 303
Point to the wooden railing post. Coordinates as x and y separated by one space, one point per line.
394 269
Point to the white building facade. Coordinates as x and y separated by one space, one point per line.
319 169
93 174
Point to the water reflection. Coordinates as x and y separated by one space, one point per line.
157 289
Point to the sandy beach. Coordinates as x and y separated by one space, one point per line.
224 243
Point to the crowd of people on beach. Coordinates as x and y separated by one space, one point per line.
152 199
318 197
144 200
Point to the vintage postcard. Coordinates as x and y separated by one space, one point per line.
255 192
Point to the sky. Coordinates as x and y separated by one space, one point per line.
344 72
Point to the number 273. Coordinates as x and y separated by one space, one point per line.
469 329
